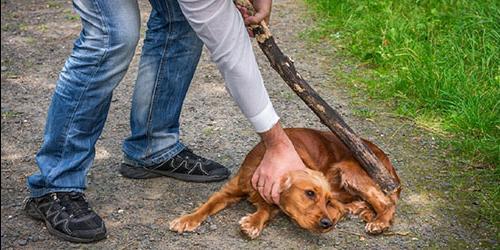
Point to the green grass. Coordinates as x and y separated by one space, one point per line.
436 60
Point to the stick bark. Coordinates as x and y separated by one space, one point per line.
284 65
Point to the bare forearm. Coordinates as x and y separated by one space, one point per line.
275 137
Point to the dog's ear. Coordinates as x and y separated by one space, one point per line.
340 206
286 183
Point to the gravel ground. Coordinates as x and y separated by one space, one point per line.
36 39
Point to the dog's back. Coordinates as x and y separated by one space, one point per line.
318 149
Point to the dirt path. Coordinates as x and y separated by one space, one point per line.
36 39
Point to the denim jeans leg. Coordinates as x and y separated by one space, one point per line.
80 104
169 58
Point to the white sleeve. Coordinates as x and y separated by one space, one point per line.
220 26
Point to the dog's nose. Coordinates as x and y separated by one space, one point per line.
325 223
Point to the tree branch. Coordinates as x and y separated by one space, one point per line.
331 118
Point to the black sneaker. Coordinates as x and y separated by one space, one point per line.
67 216
185 166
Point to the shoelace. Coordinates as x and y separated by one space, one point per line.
187 153
74 203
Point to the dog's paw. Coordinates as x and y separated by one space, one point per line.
376 227
367 215
186 223
248 227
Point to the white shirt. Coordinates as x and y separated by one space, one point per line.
221 28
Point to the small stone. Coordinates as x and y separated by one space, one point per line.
202 230
120 211
213 227
22 242
4 68
320 242
145 242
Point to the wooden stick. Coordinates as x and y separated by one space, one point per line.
331 118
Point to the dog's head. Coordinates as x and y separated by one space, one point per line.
307 199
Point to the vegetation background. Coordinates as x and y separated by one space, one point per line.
437 62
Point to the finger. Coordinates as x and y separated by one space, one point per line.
255 19
275 193
255 179
260 189
261 192
267 192
261 184
243 11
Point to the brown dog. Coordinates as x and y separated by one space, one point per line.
316 199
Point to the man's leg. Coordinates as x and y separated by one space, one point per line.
76 116
169 58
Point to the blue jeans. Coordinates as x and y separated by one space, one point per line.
98 62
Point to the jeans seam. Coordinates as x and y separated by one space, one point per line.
164 156
175 150
158 76
99 63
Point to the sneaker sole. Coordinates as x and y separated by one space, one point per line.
144 173
38 215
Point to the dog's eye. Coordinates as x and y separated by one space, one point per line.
310 194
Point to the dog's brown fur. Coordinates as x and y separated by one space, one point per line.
333 185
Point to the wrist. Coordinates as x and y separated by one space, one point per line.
275 138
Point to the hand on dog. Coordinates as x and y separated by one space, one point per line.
280 158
